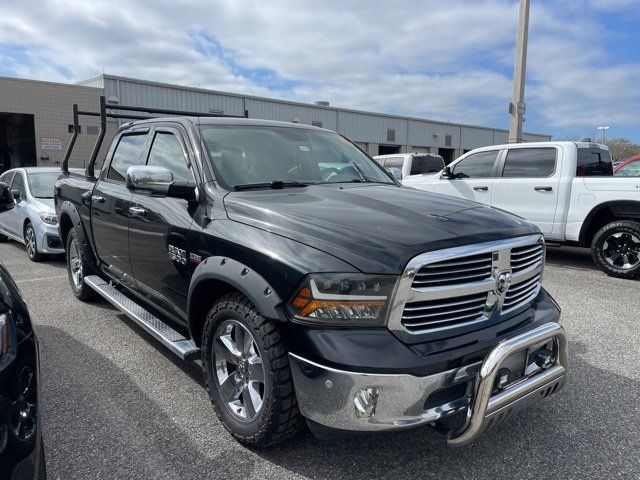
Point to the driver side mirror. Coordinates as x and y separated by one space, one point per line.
395 172
154 180
7 201
448 173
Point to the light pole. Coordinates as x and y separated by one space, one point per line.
603 131
517 106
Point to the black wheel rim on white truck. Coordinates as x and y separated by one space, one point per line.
622 250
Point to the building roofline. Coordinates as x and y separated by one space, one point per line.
300 104
48 82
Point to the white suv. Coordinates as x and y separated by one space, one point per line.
565 188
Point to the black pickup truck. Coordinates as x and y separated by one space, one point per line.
312 286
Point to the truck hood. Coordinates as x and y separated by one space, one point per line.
376 228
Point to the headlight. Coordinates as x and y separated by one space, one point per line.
343 299
49 218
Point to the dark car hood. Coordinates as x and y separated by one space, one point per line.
376 228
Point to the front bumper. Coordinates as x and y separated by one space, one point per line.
48 239
355 401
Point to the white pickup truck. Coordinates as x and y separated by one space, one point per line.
565 188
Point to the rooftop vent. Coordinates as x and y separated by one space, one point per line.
322 103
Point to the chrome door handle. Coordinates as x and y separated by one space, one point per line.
139 211
97 198
543 189
481 189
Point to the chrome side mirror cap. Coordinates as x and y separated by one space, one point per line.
155 180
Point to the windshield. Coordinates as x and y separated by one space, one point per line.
41 184
245 155
631 169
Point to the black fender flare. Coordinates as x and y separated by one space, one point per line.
69 209
241 277
632 205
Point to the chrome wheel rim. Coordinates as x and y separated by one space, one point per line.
30 239
24 416
75 264
239 370
622 250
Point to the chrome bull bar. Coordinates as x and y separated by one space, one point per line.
485 409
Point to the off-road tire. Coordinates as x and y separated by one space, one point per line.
82 291
279 417
30 236
623 226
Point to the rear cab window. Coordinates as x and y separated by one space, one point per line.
594 162
422 164
530 162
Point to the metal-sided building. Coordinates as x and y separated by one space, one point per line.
35 119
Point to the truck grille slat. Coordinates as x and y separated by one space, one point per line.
476 294
454 272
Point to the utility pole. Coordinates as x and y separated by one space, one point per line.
517 107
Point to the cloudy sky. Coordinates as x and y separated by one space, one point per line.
446 60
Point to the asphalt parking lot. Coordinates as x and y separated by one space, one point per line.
117 405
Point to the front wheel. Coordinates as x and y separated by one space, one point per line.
247 375
616 249
32 244
78 266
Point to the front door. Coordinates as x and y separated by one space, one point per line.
159 228
15 221
474 176
529 185
110 204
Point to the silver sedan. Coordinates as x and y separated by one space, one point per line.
33 221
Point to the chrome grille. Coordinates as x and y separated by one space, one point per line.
454 272
521 293
474 284
443 313
526 257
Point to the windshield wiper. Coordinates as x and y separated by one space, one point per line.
275 184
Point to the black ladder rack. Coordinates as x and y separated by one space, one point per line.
105 112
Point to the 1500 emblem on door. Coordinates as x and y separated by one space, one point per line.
178 255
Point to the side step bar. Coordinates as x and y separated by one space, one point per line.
174 341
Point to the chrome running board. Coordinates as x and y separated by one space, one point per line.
174 341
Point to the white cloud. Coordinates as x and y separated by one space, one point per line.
443 60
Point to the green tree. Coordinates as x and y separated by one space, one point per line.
622 148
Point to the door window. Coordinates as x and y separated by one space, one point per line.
530 163
166 152
18 185
7 177
631 169
128 152
477 165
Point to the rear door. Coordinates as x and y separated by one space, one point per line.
474 177
159 228
528 184
110 204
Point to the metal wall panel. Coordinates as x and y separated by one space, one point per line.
475 137
433 134
285 112
364 127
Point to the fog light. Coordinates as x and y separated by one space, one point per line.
545 358
365 403
502 378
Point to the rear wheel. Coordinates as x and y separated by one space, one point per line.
32 244
78 266
616 249
246 371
